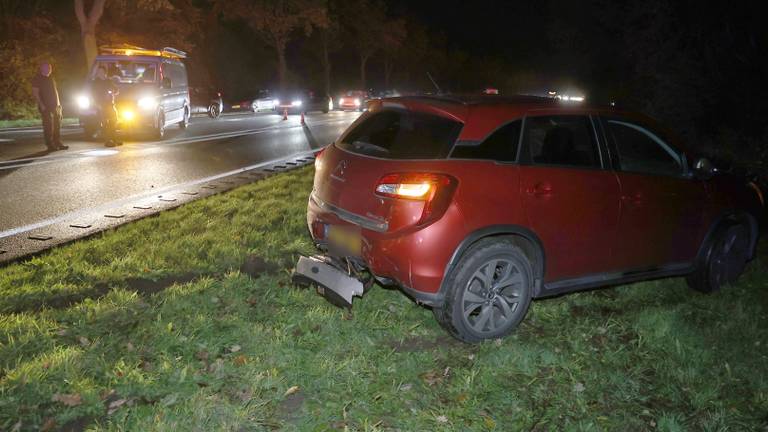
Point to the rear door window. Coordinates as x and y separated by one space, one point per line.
564 140
500 145
396 134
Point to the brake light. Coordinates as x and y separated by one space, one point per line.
435 190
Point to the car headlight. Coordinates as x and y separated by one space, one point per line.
147 103
83 102
127 115
357 102
275 102
296 103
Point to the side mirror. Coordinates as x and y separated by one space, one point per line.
703 168
166 84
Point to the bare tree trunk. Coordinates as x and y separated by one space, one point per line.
282 66
389 66
326 63
88 24
363 63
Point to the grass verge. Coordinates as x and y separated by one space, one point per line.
187 321
4 124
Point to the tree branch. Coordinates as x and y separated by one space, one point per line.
80 13
96 11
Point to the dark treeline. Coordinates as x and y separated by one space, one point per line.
697 66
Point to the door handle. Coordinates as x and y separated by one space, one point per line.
541 190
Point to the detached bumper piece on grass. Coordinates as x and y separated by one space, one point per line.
333 280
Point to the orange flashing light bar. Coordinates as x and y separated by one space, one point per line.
132 50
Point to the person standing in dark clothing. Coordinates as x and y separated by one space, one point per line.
104 91
47 98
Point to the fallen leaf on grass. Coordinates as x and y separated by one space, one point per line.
235 348
433 378
244 395
441 419
405 387
489 423
578 387
115 405
240 360
48 425
16 427
202 355
83 341
70 400
291 390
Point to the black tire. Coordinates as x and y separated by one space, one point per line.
89 132
213 111
724 259
184 120
479 306
159 131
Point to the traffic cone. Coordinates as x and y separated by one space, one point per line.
302 118
285 114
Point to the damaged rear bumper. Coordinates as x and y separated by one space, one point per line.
333 283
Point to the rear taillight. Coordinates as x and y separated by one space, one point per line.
318 157
436 190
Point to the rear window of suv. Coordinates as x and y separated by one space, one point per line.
396 134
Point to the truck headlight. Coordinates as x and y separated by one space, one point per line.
357 102
296 103
275 103
127 115
83 102
147 103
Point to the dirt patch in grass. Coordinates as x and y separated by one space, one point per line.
416 343
289 410
255 266
143 286
148 286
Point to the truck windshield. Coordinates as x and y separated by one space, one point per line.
128 71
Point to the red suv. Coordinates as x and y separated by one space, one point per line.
474 206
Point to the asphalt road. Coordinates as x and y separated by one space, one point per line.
36 187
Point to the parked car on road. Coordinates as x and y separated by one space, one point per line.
264 101
297 101
353 100
206 100
475 206
153 90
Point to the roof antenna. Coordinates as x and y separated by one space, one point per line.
434 83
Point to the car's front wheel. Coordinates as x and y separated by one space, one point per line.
488 292
724 259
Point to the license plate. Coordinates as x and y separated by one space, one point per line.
343 239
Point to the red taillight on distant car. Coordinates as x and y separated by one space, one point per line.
435 190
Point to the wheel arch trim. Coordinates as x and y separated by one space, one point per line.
474 237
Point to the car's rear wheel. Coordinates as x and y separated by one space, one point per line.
214 111
488 292
723 261
185 119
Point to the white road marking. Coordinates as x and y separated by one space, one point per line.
145 196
